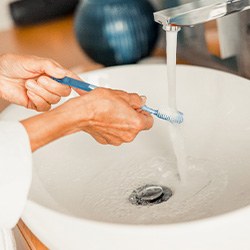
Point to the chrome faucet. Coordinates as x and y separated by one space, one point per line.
198 12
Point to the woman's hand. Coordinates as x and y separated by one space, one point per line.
110 116
24 80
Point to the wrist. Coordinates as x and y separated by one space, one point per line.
47 127
1 87
77 112
59 122
3 79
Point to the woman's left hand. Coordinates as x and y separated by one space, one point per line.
25 80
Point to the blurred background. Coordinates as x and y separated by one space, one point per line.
87 34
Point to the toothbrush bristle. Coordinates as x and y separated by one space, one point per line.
173 118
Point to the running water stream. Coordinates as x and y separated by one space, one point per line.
171 39
175 131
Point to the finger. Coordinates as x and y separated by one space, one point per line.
73 75
99 138
45 66
117 136
143 112
136 101
65 71
69 73
146 121
133 99
114 141
102 135
125 137
79 91
31 105
48 66
52 68
33 87
53 86
40 104
113 137
144 99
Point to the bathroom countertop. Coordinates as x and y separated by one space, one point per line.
32 242
56 40
53 39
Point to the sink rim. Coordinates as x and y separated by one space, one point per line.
230 214
162 64
240 212
45 222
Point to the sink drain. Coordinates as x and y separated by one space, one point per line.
150 195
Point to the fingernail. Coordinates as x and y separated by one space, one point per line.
30 93
43 80
144 99
30 84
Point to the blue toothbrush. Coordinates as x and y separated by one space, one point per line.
176 117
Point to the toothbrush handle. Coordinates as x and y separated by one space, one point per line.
88 87
149 110
75 83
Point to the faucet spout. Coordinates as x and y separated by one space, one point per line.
198 12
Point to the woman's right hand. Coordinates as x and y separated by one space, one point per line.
109 116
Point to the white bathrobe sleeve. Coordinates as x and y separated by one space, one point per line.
15 177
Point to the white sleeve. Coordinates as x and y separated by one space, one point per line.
15 172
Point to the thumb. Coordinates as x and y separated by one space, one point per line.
137 101
48 67
144 99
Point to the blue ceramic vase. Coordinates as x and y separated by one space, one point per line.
114 32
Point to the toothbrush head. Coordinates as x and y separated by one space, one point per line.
172 116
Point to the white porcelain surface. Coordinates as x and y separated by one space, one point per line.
79 193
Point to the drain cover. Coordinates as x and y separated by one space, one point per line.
150 195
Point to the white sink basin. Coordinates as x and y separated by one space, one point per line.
79 195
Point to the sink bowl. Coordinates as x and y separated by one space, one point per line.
80 189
